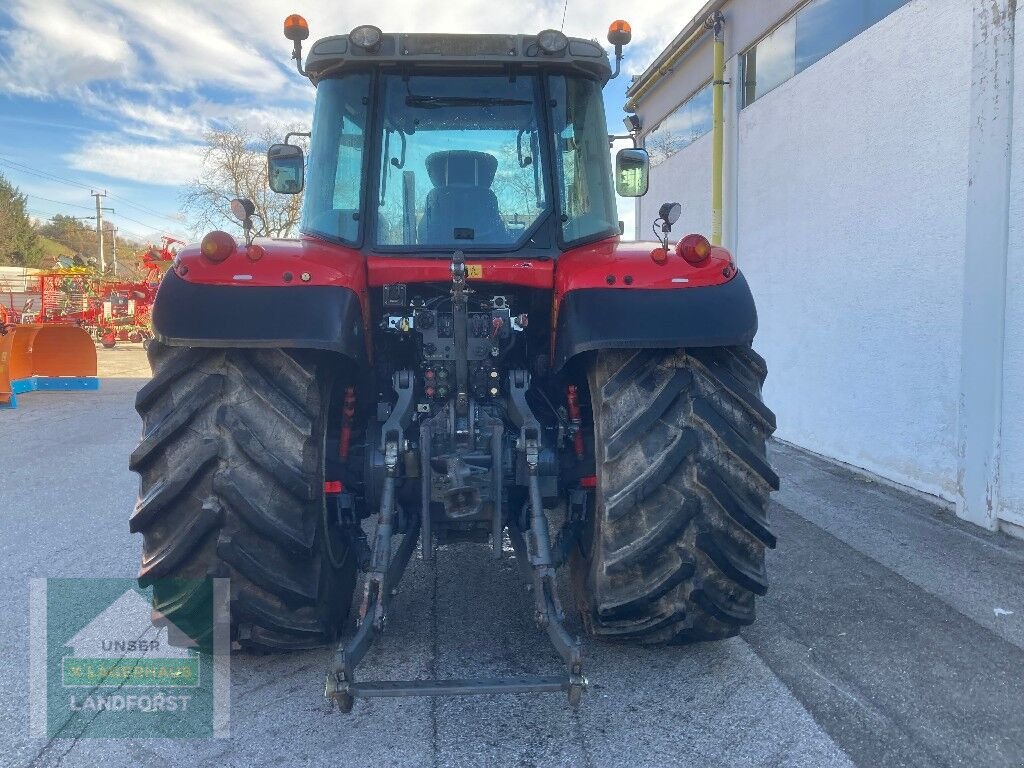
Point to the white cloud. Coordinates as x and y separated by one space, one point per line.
187 48
237 44
163 164
60 47
157 74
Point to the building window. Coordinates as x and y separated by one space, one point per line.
683 126
809 35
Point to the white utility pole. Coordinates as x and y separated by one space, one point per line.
99 226
113 246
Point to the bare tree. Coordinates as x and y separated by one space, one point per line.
235 165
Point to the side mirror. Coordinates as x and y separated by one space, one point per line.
632 171
286 166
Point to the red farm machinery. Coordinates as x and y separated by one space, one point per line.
48 343
462 347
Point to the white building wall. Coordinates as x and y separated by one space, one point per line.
684 178
1011 496
851 210
852 191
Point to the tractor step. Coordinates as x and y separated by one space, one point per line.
477 687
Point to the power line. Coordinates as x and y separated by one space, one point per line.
36 172
59 202
143 208
54 177
141 223
118 216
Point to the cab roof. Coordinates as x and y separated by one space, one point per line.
333 55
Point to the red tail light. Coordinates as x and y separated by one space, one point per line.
217 246
659 255
695 249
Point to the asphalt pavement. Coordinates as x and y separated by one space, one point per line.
892 635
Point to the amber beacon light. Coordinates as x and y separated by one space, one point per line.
296 28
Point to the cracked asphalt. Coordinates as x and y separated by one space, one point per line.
892 635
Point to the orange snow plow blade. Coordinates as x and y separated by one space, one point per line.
45 357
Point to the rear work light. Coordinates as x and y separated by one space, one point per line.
695 249
367 37
552 41
217 246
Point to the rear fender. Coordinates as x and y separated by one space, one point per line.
616 296
301 294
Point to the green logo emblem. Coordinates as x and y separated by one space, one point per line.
105 664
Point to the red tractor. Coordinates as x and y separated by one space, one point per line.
460 345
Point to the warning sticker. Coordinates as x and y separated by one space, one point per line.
475 271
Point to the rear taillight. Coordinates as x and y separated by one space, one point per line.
695 249
217 246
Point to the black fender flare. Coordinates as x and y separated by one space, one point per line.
642 318
323 317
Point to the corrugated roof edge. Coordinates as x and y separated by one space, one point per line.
696 23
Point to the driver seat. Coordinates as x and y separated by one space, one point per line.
461 199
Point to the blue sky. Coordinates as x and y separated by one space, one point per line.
116 94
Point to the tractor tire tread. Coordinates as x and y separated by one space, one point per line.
675 553
230 465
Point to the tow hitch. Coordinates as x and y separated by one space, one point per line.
532 548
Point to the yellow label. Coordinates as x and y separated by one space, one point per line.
475 271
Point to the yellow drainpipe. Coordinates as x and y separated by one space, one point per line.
716 22
717 126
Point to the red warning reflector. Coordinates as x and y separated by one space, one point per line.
589 481
333 486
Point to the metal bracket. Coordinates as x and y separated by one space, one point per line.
536 561
572 529
401 415
522 417
460 319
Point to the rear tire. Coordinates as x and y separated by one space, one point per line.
674 549
231 467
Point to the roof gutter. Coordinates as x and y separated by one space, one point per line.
679 47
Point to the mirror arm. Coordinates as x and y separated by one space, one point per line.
612 137
288 135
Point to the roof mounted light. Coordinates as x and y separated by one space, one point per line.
367 37
296 28
619 33
551 41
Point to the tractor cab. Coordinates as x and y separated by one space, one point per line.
483 143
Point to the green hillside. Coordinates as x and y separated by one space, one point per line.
53 250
